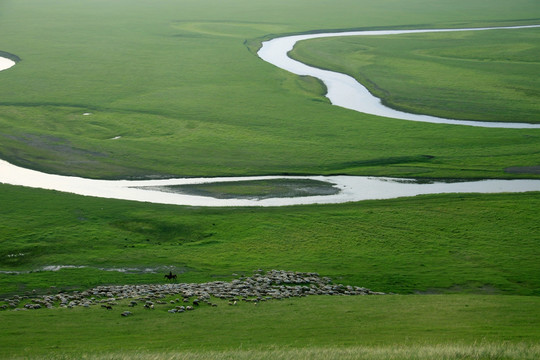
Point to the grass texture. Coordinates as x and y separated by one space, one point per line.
438 243
419 352
158 88
447 327
256 189
479 75
179 84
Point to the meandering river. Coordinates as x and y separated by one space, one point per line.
343 91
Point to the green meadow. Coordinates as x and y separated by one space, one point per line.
446 243
160 88
465 268
486 76
388 327
180 83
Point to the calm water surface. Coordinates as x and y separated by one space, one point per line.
352 188
6 63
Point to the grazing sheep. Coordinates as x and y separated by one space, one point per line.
275 284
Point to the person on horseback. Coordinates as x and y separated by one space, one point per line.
170 276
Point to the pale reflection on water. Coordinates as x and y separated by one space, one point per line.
6 63
352 188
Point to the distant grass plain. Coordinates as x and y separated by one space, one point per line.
180 83
176 81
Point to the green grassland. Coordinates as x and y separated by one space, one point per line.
426 327
487 76
478 252
180 83
446 243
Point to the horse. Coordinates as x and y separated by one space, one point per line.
170 276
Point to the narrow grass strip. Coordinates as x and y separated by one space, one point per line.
521 351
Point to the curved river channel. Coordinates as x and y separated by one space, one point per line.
343 91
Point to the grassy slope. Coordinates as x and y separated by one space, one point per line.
176 81
451 242
475 75
314 322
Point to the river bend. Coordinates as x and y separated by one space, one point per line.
343 91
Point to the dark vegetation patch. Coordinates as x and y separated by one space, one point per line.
314 86
56 145
154 232
254 45
254 189
467 288
523 169
59 155
383 161
10 56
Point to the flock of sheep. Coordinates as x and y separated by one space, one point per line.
272 285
